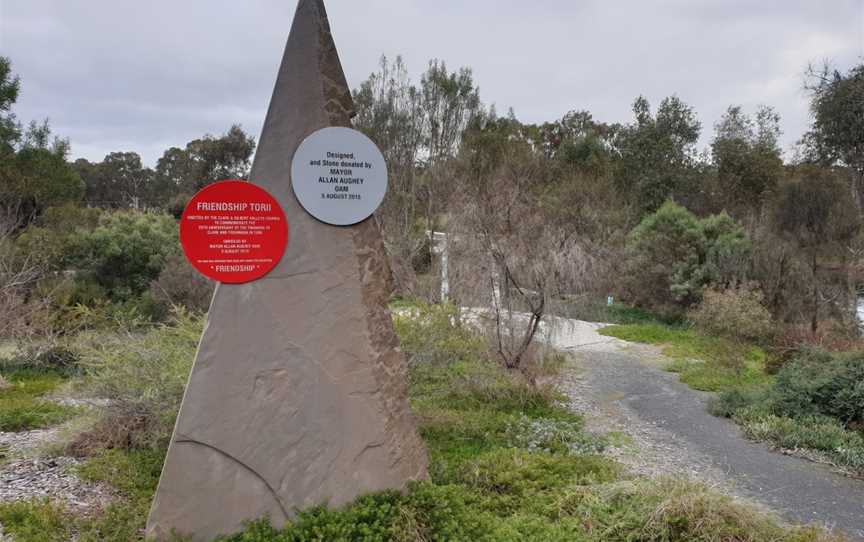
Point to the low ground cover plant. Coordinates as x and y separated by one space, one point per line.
815 403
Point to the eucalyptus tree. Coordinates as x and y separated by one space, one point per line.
747 157
837 106
657 152
419 129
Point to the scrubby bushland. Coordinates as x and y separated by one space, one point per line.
818 383
672 255
18 273
54 357
143 377
737 313
508 460
53 239
98 268
814 210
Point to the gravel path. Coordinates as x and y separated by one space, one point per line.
26 474
622 387
54 478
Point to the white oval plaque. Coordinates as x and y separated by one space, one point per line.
339 176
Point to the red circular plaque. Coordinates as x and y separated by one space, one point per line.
234 232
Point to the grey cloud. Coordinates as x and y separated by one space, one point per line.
123 75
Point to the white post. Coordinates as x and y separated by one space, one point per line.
445 257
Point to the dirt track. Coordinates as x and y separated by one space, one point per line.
668 431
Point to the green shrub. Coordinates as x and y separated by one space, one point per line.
736 313
519 479
818 383
126 252
427 512
433 334
672 255
444 512
371 517
644 510
143 376
814 403
553 436
670 510
729 402
103 263
53 241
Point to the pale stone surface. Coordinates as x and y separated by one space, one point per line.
298 396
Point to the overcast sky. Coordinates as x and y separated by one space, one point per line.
124 75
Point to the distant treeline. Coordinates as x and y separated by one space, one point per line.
578 205
573 206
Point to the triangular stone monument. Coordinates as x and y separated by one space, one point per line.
298 395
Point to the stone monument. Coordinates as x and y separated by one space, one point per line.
298 395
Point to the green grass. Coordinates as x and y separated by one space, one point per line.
624 314
704 363
22 404
35 521
135 474
470 409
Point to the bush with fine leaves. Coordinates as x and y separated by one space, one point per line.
433 334
143 377
127 251
672 255
180 284
736 313
818 383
